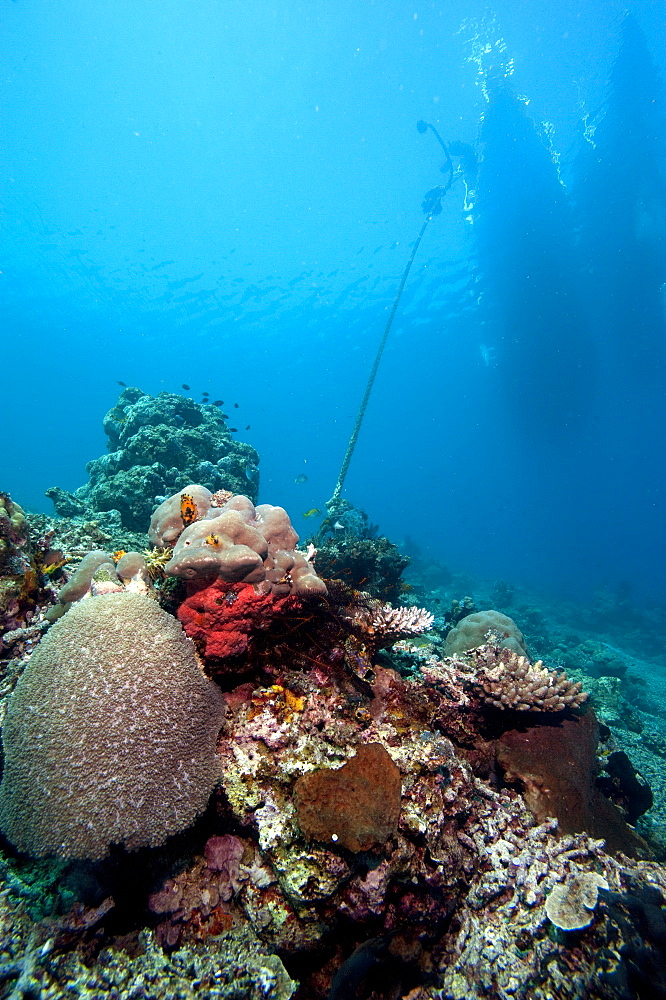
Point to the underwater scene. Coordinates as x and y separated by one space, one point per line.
332 500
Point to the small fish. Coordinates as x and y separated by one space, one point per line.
204 393
247 428
299 480
189 511
235 406
313 512
185 386
213 540
218 402
234 430
124 384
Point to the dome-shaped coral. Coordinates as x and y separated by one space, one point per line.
472 631
110 733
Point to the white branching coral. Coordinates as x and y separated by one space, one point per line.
386 624
506 680
503 679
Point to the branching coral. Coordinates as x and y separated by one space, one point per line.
386 624
506 680
502 679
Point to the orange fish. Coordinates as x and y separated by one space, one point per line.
188 509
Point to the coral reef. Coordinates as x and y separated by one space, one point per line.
350 549
425 832
24 567
109 735
374 565
158 444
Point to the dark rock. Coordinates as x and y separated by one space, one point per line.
625 786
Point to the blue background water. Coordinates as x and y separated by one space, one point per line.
225 194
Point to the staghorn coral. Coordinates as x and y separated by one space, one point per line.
505 680
386 624
110 733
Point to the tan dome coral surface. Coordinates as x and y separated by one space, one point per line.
473 630
110 733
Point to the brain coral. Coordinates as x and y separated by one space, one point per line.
472 631
110 733
157 444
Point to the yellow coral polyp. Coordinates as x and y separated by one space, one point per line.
283 703
293 702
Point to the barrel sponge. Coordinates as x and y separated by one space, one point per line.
110 733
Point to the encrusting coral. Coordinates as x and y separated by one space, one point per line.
110 733
356 805
570 905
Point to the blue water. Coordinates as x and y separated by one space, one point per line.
225 194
